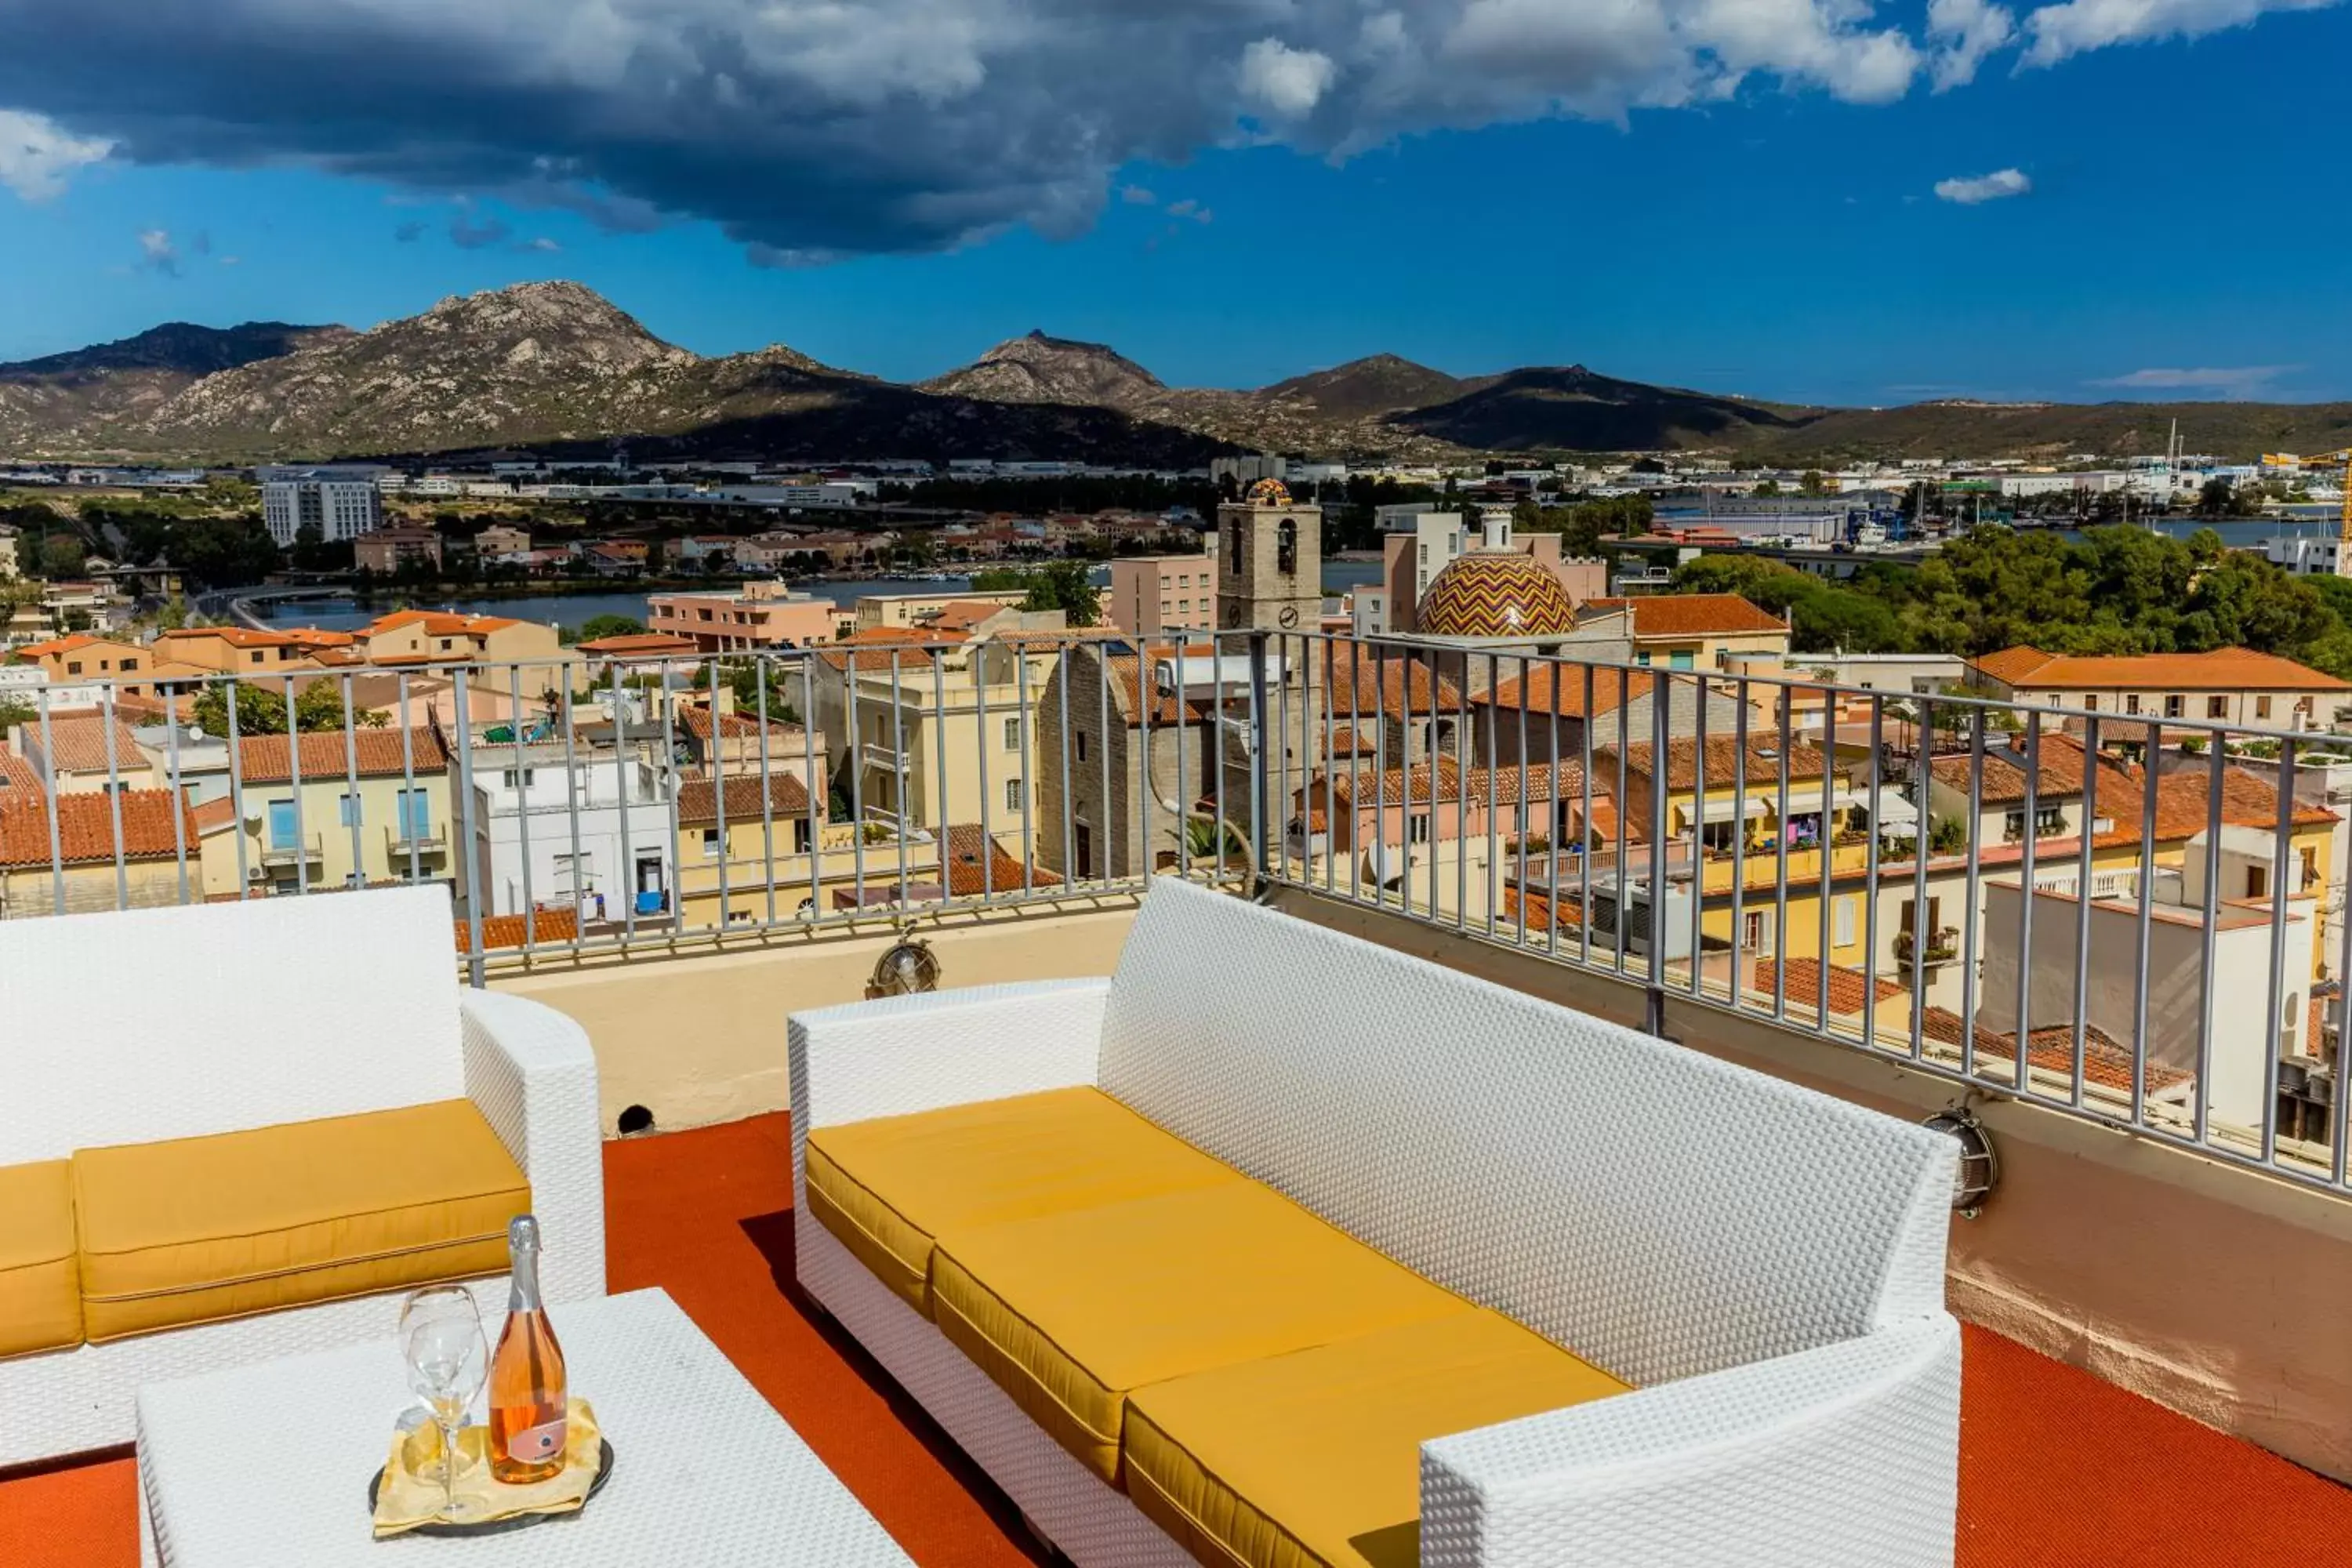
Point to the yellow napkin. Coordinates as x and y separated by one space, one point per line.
411 1493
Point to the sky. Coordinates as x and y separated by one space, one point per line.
1809 200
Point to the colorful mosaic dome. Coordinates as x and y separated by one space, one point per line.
1495 593
1268 493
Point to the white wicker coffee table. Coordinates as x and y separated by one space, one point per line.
270 1464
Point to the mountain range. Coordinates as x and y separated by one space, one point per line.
554 367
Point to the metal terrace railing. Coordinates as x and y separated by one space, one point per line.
1898 875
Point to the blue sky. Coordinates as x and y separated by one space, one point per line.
2182 230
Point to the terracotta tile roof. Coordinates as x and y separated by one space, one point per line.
2107 1061
1848 986
966 842
235 637
78 641
213 815
2247 801
732 726
16 773
1349 742
1125 680
964 615
1764 761
1666 616
86 827
877 645
1389 784
697 799
78 745
264 759
511 931
639 643
2059 775
2218 670
1551 688
1363 685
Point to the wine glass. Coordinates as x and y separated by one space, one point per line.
441 1337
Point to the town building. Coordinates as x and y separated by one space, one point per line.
1688 631
339 809
1155 596
333 505
2226 685
905 612
764 615
92 851
386 551
579 828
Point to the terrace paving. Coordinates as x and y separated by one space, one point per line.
2056 1467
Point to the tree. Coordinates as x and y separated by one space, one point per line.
1063 585
1812 483
62 555
743 676
597 627
1767 488
317 707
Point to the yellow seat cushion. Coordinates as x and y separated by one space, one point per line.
198 1230
1071 1312
1313 1460
40 1284
887 1187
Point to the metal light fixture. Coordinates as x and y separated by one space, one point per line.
1980 1167
907 968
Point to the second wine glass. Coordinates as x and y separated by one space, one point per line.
441 1338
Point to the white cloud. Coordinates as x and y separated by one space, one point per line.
1963 33
1283 80
36 157
1996 186
2231 381
812 129
542 244
2078 25
157 253
1136 196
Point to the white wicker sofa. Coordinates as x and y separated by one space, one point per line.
136 1027
1762 1265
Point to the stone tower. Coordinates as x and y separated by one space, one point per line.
1270 561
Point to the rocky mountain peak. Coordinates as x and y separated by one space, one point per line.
1036 368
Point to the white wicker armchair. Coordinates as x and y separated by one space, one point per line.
1763 1263
148 1025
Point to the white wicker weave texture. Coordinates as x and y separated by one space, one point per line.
1663 1214
706 1474
232 1015
532 1073
1845 1457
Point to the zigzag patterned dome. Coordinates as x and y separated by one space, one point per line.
1495 593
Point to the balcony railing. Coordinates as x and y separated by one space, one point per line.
276 853
2192 999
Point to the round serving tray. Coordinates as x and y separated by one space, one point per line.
518 1521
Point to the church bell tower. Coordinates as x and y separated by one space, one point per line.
1269 562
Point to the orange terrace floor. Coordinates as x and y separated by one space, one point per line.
2056 1467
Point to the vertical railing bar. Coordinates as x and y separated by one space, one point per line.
2202 1106
718 805
1923 737
628 847
1215 737
1826 847
857 773
1494 878
2087 866
236 795
670 789
1463 750
1102 747
2339 1102
571 803
1146 695
2028 897
1780 863
1973 887
408 783
2282 848
476 963
1698 827
935 657
760 670
1662 776
179 802
2139 1042
1186 798
1028 770
1405 763
1068 795
114 795
1583 828
522 804
1620 871
56 802
1742 690
815 787
898 770
1525 794
351 783
1554 826
294 775
1381 777
1870 867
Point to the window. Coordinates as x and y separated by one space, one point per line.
1085 848
1642 660
2258 881
73 667
1082 744
1416 827
1751 931
255 657
2091 703
2173 706
1680 661
281 824
349 810
415 809
1286 546
710 844
2262 707
2217 707
1013 734
1424 553
528 776
1845 913
1012 795
128 665
2131 702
